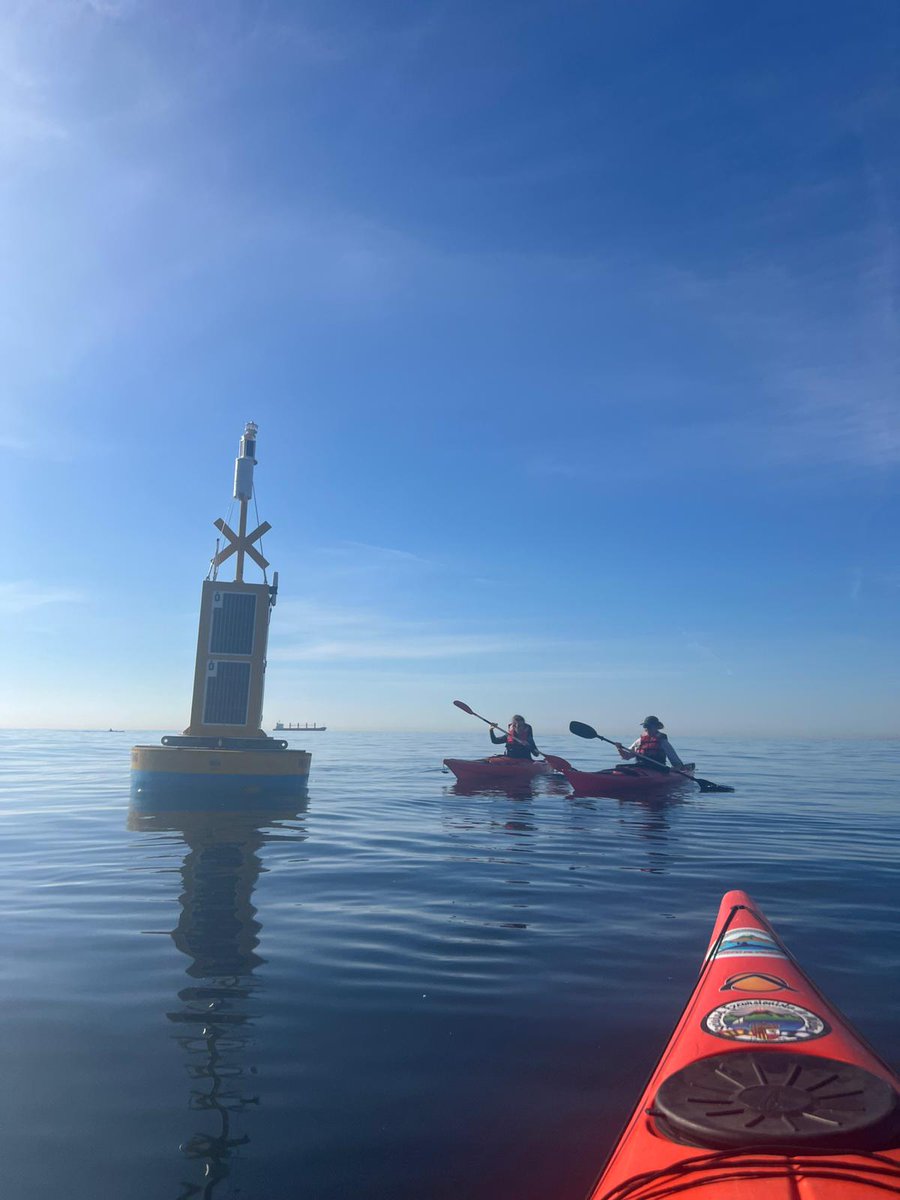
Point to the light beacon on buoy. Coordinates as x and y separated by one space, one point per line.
225 752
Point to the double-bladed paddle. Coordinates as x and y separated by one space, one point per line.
587 731
493 724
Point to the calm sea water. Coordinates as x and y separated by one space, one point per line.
398 991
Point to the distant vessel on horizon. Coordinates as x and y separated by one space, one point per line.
314 728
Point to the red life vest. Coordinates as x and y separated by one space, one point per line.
652 746
524 736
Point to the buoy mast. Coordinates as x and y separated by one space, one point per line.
229 672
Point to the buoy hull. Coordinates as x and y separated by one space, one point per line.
223 775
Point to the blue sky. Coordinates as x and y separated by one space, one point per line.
570 329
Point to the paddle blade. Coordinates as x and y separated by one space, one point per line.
464 707
558 764
582 730
707 785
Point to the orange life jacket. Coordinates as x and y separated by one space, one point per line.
652 746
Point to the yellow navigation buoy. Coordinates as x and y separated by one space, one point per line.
224 754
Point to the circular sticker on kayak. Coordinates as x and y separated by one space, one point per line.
749 941
755 981
764 1021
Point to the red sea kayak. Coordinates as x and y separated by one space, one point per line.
498 771
764 1091
623 782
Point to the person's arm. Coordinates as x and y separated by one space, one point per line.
499 739
671 755
531 746
629 752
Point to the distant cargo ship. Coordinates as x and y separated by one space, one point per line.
314 728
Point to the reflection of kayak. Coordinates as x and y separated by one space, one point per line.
497 771
764 1092
621 782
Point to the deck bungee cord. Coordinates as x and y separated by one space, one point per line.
877 1171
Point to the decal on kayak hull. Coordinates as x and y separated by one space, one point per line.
764 1021
755 981
746 942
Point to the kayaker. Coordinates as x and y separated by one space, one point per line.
652 748
518 739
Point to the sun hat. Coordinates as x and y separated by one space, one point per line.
652 721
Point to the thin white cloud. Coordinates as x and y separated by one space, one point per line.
26 110
365 551
850 418
394 648
12 441
23 596
357 568
322 632
107 8
824 339
698 646
413 646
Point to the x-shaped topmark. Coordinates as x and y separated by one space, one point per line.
241 543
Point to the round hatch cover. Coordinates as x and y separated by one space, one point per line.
775 1098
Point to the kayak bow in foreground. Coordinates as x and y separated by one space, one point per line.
764 1091
498 771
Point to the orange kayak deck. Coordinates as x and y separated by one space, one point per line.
764 1091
